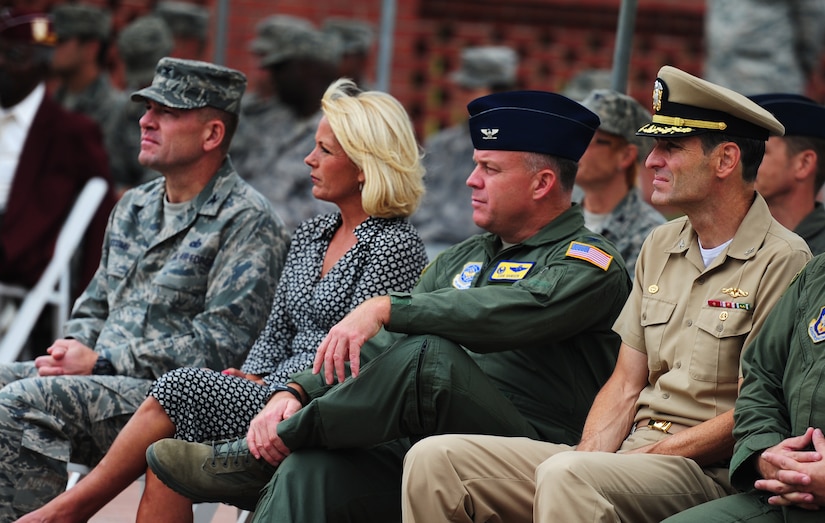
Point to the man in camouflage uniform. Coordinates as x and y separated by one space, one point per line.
79 61
261 109
140 46
792 171
187 277
189 24
356 38
302 62
444 218
764 46
608 170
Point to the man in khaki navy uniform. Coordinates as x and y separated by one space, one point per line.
507 333
793 169
658 436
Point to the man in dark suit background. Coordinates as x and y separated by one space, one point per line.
47 155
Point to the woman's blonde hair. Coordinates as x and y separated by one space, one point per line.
377 135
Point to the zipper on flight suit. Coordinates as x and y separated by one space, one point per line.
418 399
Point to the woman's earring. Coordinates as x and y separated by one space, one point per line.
360 186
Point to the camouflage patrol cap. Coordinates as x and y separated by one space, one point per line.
184 19
192 84
266 40
82 21
581 83
486 66
140 45
356 36
684 105
621 115
298 41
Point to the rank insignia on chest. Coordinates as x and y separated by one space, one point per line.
511 271
816 330
586 252
464 279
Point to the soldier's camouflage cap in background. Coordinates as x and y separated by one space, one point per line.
356 36
621 115
192 84
266 32
184 19
140 45
285 41
81 21
585 81
486 66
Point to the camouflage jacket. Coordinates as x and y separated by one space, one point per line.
195 292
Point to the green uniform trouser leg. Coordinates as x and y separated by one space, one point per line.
46 422
421 386
336 486
748 507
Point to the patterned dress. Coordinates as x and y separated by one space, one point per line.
389 255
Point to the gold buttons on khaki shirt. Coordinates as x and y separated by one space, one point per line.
723 315
653 289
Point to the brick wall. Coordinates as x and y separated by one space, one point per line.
555 39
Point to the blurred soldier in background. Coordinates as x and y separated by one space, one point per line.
140 45
356 38
189 24
444 217
764 46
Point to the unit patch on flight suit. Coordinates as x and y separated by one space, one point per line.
464 279
816 330
511 271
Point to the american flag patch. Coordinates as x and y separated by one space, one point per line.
594 255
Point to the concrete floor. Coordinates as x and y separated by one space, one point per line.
123 508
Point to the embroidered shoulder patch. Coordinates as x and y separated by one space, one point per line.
511 271
816 329
464 279
586 252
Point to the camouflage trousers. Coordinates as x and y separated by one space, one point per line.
47 422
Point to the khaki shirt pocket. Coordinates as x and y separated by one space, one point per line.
721 333
655 317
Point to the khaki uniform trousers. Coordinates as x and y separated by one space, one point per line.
465 478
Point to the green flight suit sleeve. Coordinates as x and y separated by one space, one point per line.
761 413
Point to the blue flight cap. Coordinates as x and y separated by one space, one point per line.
532 121
800 115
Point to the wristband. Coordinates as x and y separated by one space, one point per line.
284 388
104 367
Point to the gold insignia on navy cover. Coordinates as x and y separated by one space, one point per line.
511 271
816 329
465 278
657 95
733 292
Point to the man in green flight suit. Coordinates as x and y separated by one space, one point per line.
505 333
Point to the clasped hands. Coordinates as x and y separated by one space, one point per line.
342 344
794 475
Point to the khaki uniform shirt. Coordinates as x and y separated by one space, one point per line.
678 312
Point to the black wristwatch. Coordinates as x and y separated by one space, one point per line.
283 388
104 367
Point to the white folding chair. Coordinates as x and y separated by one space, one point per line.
54 285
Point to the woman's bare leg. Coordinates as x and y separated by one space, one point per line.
160 503
123 463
